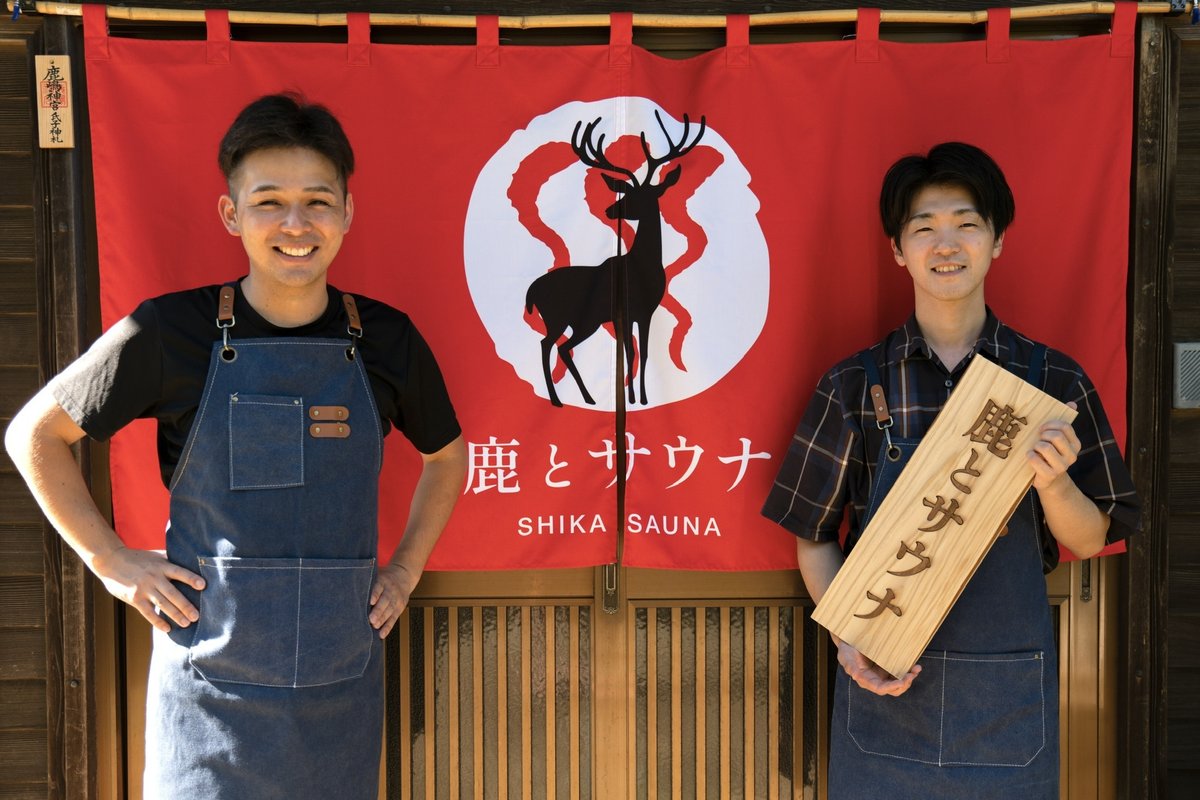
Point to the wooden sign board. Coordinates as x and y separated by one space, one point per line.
55 105
940 519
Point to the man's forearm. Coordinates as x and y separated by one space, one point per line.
433 499
819 562
39 441
1073 518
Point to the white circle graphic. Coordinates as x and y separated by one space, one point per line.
722 294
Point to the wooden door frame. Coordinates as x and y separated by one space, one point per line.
1144 669
67 298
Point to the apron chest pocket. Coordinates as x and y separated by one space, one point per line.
284 622
266 441
964 709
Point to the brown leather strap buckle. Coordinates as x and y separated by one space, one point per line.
329 430
225 308
883 420
354 328
328 413
225 321
883 417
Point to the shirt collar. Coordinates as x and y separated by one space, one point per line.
908 341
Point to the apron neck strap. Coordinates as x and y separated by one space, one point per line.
225 319
354 324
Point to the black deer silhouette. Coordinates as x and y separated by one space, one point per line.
583 298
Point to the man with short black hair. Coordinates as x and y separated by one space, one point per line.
272 395
978 715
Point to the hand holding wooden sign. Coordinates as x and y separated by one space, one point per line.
940 519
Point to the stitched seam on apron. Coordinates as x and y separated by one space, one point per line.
296 661
212 376
370 396
942 715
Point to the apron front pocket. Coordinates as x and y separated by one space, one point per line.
283 622
964 709
905 727
995 709
266 441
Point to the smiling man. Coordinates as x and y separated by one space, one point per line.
272 394
978 715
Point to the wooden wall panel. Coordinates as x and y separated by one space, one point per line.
16 230
18 339
16 123
17 384
18 286
1183 618
22 598
14 71
22 655
26 756
20 547
1185 540
22 704
1183 490
23 792
16 505
16 178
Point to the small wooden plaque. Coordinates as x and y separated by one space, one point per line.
55 103
940 519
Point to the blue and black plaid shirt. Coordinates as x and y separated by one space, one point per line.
832 458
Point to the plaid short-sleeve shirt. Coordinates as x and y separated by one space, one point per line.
833 455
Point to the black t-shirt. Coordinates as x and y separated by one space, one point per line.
153 363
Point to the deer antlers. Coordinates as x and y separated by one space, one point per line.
592 154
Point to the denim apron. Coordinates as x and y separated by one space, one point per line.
277 691
981 720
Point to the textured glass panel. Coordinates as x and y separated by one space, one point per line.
443 623
394 743
537 699
737 696
562 701
441 701
466 701
513 701
640 697
787 654
762 699
416 677
663 690
490 702
712 706
585 702
687 688
810 718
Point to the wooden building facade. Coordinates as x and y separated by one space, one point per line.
521 684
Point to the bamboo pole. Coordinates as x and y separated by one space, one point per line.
543 21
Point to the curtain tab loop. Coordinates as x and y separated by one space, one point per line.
217 23
95 32
1124 25
998 24
487 40
737 40
866 44
620 43
358 39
